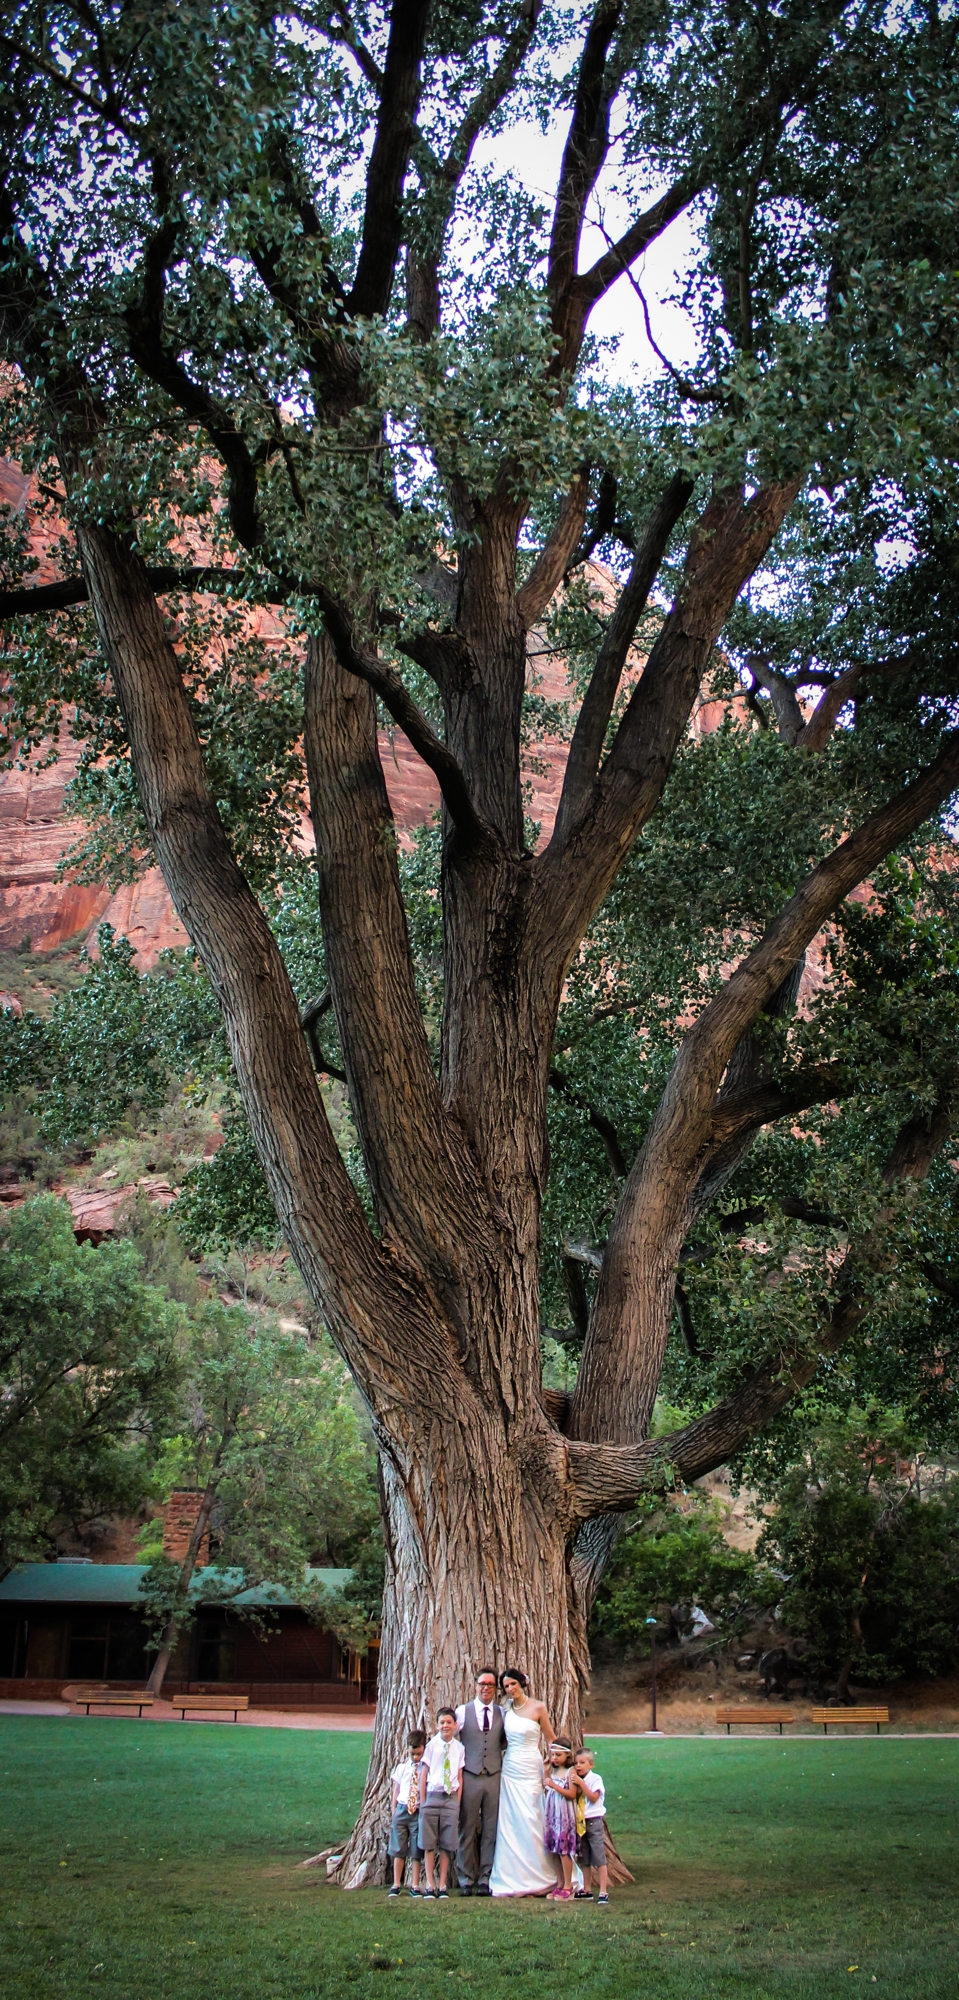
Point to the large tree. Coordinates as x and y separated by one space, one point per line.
286 328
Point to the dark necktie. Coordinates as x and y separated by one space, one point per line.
485 1720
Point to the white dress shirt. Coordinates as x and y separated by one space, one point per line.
595 1808
406 1778
477 1707
433 1756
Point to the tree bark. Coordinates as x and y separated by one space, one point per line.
477 1575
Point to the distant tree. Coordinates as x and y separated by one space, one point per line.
674 1558
272 1442
90 1370
871 1564
106 1046
283 337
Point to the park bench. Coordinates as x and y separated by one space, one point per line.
754 1717
210 1704
87 1698
863 1716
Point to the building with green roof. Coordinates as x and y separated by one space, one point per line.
76 1620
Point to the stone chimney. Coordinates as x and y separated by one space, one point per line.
179 1521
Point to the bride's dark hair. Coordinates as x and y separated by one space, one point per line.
513 1674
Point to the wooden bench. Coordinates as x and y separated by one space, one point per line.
863 1717
754 1717
211 1704
87 1698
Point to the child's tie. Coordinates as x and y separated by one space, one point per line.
413 1802
447 1773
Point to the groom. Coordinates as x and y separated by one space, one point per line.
483 1736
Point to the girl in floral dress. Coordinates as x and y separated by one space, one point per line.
560 1786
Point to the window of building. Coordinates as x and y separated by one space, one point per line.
89 1639
215 1650
107 1645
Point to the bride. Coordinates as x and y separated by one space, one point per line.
521 1865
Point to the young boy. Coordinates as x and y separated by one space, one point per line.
591 1851
405 1824
441 1785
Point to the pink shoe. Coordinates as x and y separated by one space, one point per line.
562 1895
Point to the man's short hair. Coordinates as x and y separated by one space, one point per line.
446 1711
416 1739
486 1674
585 1753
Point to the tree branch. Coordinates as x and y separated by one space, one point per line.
575 1286
587 144
623 1356
161 364
603 523
162 582
320 335
949 1287
318 1208
347 35
691 392
789 716
597 1119
611 1478
389 160
416 727
550 566
310 1017
685 1317
592 722
815 734
441 180
709 1045
730 539
586 290
762 1103
421 1172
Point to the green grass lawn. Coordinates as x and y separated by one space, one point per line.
142 1861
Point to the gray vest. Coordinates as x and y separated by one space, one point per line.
484 1748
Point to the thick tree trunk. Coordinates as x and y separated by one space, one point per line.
477 1575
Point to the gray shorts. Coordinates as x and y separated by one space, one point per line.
439 1822
404 1835
591 1847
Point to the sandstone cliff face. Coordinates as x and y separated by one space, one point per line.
36 829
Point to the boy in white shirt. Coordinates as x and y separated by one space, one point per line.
591 1850
405 1823
441 1784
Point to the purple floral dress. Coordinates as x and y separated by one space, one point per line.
559 1823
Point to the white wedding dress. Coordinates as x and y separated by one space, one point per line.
521 1865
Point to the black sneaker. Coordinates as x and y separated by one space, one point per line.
442 1895
416 1892
602 1899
